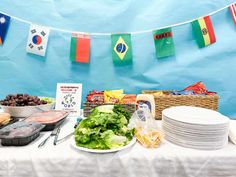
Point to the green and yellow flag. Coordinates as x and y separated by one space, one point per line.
121 48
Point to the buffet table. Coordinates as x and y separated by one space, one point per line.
63 160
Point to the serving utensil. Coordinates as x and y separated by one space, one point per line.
56 142
64 139
53 133
57 134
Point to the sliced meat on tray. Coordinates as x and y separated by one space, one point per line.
48 117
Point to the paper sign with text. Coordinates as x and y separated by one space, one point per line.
68 98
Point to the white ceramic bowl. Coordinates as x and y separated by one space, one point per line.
25 111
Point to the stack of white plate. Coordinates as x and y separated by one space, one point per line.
195 127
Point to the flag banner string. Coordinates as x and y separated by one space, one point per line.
108 34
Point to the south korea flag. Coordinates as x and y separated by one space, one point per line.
37 40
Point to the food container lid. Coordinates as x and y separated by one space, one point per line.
47 117
20 129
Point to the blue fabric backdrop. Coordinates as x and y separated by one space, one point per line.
214 65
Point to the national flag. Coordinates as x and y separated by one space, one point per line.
80 48
4 24
164 42
121 48
37 40
232 8
203 31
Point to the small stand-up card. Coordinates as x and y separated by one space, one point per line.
68 98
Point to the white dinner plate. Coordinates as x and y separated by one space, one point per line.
198 130
199 133
171 120
195 146
195 115
101 151
195 127
197 141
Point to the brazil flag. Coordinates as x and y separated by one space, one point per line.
121 49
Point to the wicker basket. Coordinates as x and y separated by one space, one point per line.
87 106
165 101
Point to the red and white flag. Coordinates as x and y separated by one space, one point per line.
232 8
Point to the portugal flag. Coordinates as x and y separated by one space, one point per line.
121 49
203 31
80 48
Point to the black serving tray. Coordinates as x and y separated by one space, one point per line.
50 127
19 141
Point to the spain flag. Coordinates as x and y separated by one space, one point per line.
4 24
203 31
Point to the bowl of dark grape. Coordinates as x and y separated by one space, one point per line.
23 105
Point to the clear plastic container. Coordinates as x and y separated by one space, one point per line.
51 119
20 133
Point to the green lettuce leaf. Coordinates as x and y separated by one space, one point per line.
104 128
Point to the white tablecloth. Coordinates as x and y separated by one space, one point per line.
63 160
